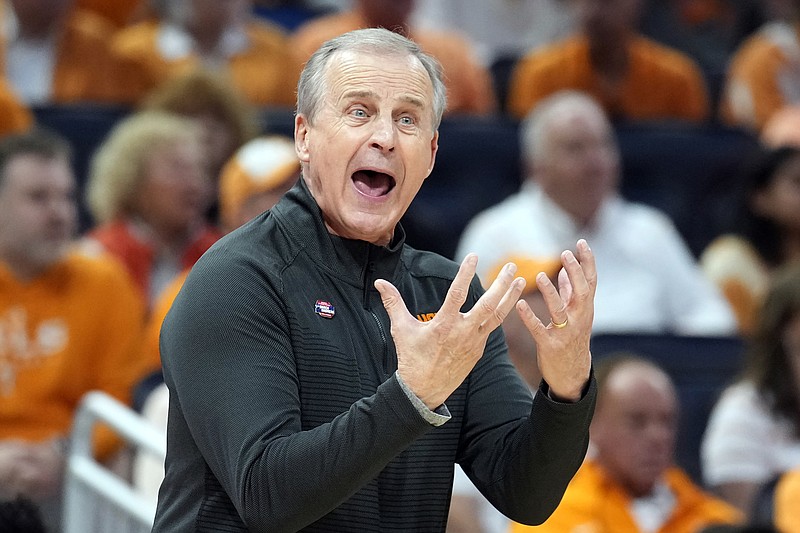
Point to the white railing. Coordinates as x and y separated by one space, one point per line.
97 500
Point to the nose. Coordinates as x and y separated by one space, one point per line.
383 134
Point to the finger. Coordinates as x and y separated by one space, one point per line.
505 306
578 276
487 305
588 264
556 305
564 286
457 293
392 301
529 319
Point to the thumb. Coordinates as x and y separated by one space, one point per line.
392 301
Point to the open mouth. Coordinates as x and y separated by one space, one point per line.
373 183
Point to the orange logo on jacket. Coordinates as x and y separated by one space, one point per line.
426 317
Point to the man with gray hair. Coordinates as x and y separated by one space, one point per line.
324 376
651 281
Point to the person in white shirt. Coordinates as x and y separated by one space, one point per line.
651 283
753 433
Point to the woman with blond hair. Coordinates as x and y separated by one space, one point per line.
148 191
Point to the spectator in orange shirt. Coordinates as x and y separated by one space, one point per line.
632 77
222 35
148 191
54 53
69 322
628 483
468 83
764 73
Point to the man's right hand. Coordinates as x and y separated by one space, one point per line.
434 357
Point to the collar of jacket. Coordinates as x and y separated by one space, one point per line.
355 262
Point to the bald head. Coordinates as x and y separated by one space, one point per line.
635 422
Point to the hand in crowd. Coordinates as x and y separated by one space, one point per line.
33 469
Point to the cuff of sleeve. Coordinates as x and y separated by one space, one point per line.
437 417
544 387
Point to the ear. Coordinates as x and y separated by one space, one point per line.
301 138
434 150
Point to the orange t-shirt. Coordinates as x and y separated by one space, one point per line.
594 503
75 328
468 83
661 83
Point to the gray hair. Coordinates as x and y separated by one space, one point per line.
311 87
533 129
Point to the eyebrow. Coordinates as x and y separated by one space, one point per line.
360 93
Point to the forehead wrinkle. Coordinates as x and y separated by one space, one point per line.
366 93
348 70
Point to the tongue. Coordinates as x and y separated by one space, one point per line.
372 183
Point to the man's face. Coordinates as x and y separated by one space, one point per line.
38 212
372 143
579 165
634 428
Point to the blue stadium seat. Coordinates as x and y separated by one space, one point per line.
690 172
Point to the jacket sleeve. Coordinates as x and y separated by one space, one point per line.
229 361
521 453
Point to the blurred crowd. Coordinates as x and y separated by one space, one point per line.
187 156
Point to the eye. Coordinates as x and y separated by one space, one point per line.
406 120
359 112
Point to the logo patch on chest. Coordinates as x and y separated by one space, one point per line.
324 309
